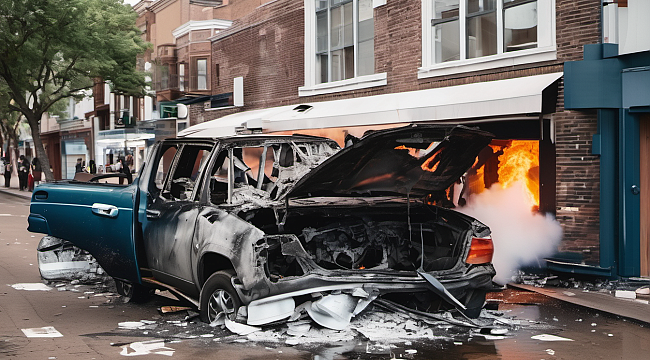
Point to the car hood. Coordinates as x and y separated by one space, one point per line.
415 160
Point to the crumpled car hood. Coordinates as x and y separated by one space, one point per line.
415 160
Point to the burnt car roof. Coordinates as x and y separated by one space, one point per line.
415 159
253 138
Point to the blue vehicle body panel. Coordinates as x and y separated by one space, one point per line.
65 210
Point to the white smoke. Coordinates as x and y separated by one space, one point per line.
520 236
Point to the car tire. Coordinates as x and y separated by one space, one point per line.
218 295
132 292
474 303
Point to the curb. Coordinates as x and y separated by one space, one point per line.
11 193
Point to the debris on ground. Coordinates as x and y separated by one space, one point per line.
626 288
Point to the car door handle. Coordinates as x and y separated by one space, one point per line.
40 195
105 210
153 214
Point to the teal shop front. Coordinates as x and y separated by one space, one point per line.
618 87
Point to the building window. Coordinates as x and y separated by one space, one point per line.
458 32
339 46
342 42
181 77
202 74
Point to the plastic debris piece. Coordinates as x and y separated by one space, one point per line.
264 313
549 337
43 332
156 347
31 286
550 352
625 294
240 329
643 290
498 331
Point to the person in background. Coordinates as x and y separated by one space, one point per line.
6 170
129 162
78 167
92 168
125 170
37 171
23 173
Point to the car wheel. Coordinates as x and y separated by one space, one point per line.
132 292
219 296
475 303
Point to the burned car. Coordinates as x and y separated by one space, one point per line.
275 223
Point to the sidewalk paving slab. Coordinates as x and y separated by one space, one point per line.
606 302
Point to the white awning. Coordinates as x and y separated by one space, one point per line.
500 98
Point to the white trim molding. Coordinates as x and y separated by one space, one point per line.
359 82
194 25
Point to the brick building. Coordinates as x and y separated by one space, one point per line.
344 66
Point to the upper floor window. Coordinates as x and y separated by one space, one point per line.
202 74
459 32
181 77
339 46
344 47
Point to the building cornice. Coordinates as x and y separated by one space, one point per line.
194 25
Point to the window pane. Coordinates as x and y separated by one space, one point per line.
341 26
202 74
343 64
366 35
445 9
321 4
482 35
321 68
321 31
475 6
337 65
447 41
366 59
181 77
520 25
348 32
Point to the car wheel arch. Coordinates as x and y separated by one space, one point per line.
210 263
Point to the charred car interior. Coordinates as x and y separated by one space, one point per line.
266 227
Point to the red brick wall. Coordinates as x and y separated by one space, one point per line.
266 48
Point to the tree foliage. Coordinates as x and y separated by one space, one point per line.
51 49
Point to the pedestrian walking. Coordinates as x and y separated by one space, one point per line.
5 170
37 171
92 167
78 167
124 169
23 172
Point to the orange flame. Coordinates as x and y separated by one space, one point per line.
520 162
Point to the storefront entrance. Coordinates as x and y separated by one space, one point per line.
644 156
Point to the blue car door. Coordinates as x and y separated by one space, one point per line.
96 217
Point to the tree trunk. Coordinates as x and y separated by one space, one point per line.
34 120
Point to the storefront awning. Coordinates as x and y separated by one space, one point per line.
531 95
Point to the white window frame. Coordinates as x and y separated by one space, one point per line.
546 49
312 87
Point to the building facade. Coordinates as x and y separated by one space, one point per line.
345 65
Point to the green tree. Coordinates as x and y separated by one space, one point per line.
51 49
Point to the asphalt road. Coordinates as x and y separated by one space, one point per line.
88 317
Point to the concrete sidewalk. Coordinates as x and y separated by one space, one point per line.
636 309
13 188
